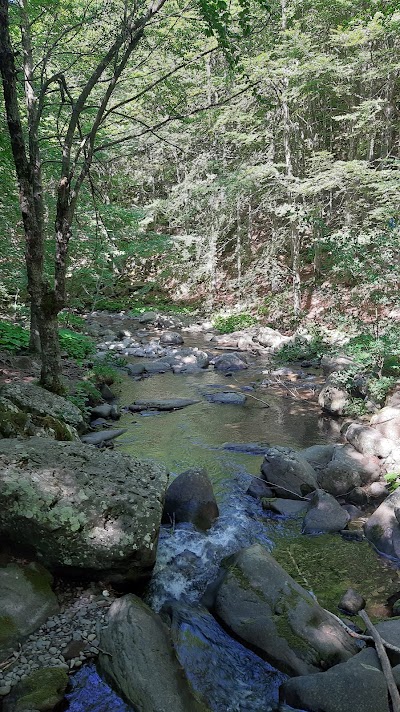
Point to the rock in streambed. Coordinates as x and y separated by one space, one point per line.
265 607
81 509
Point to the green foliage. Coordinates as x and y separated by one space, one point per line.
77 346
379 388
70 320
393 480
13 337
234 322
85 396
302 349
104 374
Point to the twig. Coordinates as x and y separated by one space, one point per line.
273 484
251 396
384 660
360 636
104 652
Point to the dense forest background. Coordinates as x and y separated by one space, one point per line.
251 165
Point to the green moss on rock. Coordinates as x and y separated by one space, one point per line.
42 690
8 629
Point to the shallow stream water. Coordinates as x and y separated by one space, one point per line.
229 677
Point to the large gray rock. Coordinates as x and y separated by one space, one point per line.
383 529
333 399
355 686
387 422
338 478
325 515
368 441
171 338
81 508
190 498
34 399
390 632
141 663
271 338
265 607
229 362
334 364
289 473
26 601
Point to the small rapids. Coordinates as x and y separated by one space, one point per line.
226 675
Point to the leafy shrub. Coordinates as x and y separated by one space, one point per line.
377 353
13 337
85 396
104 374
234 322
69 319
302 349
379 388
77 346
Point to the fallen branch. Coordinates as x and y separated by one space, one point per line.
384 661
273 484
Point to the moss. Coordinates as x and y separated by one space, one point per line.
42 690
327 565
61 430
39 578
12 424
7 629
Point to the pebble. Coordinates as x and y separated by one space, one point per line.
82 610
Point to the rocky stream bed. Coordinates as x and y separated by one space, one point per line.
273 510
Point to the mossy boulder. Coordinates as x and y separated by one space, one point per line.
42 690
141 663
80 508
31 398
288 473
261 603
383 529
27 600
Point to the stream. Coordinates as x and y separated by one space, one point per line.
230 677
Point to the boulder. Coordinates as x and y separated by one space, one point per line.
271 338
148 317
141 663
104 436
40 691
229 362
338 478
171 338
27 600
190 498
390 631
368 467
333 399
324 515
259 489
289 474
158 366
135 369
357 685
286 507
33 399
318 455
368 441
387 422
88 511
226 397
335 364
282 622
383 529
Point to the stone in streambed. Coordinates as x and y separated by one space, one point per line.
226 398
261 603
142 665
171 338
351 602
190 498
161 404
89 511
383 529
229 362
357 685
286 507
26 601
288 473
101 437
325 515
259 489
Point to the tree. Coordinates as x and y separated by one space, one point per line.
69 81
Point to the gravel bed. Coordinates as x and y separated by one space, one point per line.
65 640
